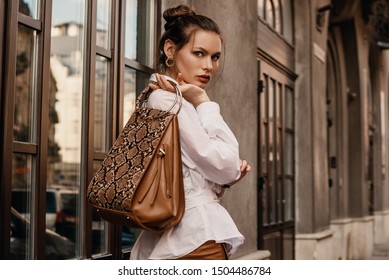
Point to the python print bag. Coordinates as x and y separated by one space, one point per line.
140 182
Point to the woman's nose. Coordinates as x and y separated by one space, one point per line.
208 65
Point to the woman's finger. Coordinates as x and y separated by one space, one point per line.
154 86
165 84
180 79
243 165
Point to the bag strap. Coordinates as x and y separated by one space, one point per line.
144 95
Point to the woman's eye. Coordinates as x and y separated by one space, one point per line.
215 57
199 54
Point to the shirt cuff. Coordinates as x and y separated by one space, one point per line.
207 107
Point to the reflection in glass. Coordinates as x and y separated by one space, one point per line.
264 198
134 82
288 194
101 135
270 13
66 217
289 108
131 28
280 200
22 178
277 16
264 120
260 8
103 33
99 226
139 31
129 95
65 122
287 20
288 154
25 86
271 100
272 193
272 152
129 235
29 8
278 128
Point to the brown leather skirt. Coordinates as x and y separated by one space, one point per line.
210 250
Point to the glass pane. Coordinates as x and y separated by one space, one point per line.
139 31
289 114
134 83
279 105
29 8
131 29
99 226
22 180
288 154
270 13
65 126
25 88
68 17
272 152
271 94
287 20
264 122
129 236
129 93
264 198
62 216
264 149
277 16
277 127
261 8
288 199
279 200
103 32
101 129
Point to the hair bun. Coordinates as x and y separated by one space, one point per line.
172 14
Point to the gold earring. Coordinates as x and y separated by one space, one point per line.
169 62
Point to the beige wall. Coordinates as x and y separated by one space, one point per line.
236 92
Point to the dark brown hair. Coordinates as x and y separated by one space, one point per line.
181 22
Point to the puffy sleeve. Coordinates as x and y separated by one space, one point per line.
207 143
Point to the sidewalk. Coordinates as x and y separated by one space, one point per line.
381 252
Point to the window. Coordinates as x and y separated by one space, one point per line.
277 14
25 130
64 156
276 162
64 109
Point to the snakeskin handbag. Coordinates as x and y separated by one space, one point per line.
140 181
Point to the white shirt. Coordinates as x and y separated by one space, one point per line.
210 157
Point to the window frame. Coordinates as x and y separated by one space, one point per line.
39 150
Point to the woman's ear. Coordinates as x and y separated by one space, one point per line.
169 48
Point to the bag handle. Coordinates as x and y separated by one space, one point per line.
144 95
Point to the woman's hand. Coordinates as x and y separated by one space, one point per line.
244 168
191 93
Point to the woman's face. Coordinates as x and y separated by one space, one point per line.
198 60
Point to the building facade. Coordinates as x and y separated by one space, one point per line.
304 87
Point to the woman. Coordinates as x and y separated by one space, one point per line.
190 50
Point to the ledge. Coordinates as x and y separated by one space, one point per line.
345 221
258 255
315 236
